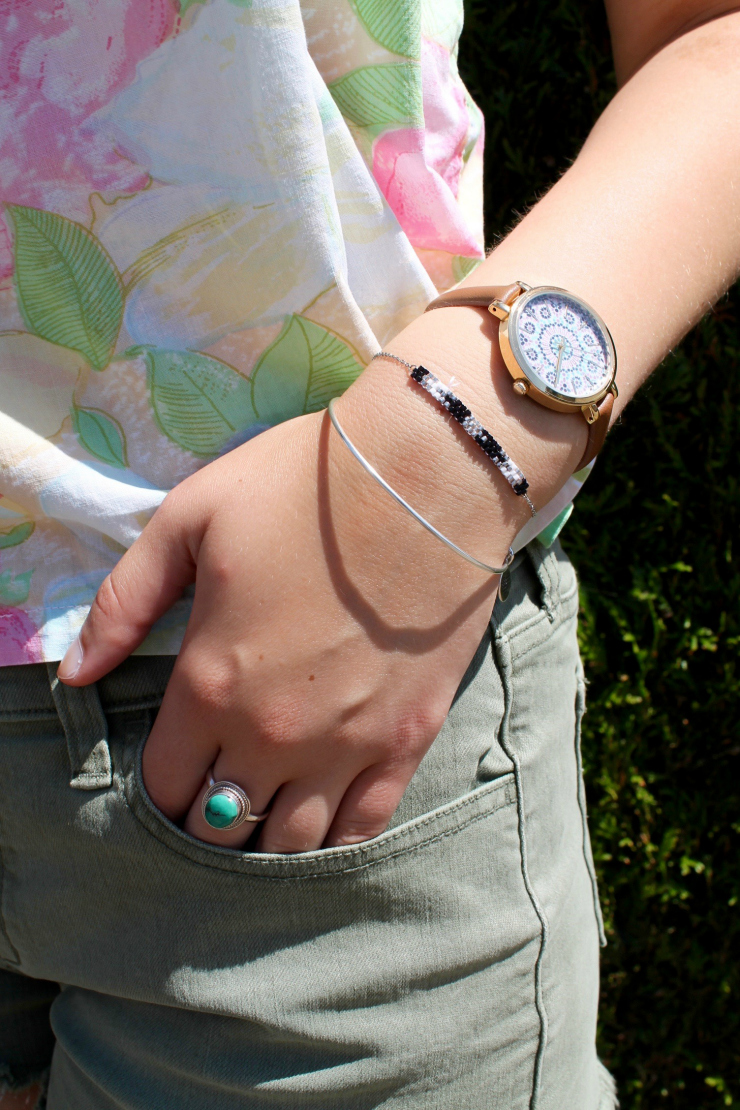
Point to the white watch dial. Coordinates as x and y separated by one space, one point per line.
563 344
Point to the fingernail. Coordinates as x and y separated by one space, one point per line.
72 661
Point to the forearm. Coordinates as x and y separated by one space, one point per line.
329 632
645 226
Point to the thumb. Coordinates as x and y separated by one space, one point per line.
149 578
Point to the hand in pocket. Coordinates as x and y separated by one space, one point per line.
290 683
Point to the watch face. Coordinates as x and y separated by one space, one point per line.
562 345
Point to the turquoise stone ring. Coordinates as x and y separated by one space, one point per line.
226 806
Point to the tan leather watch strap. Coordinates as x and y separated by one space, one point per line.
476 296
597 432
481 296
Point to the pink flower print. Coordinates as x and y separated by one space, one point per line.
19 638
6 252
61 60
446 121
419 170
421 199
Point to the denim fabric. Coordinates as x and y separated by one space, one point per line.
450 962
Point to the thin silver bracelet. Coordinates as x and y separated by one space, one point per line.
405 505
460 412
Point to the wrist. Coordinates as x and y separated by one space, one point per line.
464 341
414 438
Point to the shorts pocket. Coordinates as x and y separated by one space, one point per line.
413 835
417 948
451 877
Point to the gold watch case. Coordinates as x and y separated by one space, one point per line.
526 381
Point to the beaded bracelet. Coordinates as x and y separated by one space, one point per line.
469 423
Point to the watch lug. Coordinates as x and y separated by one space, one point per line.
499 309
590 413
523 286
613 389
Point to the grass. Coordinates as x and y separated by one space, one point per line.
652 539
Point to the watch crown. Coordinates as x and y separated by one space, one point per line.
521 387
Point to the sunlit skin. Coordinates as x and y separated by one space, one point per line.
329 631
322 676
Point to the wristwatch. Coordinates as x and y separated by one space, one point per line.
557 349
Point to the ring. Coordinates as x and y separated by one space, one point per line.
226 806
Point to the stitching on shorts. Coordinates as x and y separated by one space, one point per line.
152 701
3 926
398 834
581 796
558 613
503 649
28 715
545 626
224 859
340 872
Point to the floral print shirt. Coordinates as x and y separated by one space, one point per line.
214 212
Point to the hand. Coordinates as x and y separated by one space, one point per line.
328 635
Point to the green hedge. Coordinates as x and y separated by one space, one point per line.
652 539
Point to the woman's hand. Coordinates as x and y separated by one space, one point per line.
328 635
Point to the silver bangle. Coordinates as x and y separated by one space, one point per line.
405 505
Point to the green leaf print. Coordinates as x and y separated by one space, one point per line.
387 95
185 4
199 402
442 20
16 535
101 435
463 265
395 25
301 371
69 291
14 588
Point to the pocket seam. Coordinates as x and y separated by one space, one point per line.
256 865
10 717
324 874
14 959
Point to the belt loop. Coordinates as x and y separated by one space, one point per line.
545 566
86 730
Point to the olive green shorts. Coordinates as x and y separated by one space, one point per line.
450 963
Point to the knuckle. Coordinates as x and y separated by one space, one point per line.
108 601
210 688
172 504
416 728
281 723
110 619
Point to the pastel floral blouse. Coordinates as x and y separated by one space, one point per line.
214 212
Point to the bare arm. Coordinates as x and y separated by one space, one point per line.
640 30
329 632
